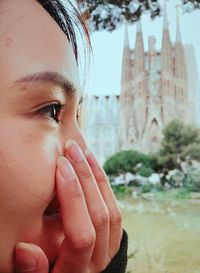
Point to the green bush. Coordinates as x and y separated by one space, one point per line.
181 193
179 142
121 190
127 161
146 188
159 187
134 183
192 180
176 179
145 171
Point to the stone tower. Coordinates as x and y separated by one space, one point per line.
154 89
133 92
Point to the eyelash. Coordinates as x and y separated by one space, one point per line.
54 111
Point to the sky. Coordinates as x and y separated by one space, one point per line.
105 69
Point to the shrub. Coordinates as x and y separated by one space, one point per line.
159 187
146 188
134 183
179 142
192 179
127 161
175 178
121 190
145 171
182 193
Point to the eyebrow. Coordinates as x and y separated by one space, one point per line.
54 78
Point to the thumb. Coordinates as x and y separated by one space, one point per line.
30 258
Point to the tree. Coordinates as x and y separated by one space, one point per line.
128 161
110 14
179 142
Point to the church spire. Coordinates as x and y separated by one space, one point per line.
165 17
178 31
139 65
180 65
125 60
139 26
166 36
166 57
126 37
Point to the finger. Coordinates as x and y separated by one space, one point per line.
77 248
109 198
95 203
30 258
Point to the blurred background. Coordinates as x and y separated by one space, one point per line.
141 116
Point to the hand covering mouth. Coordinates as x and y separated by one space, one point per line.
53 208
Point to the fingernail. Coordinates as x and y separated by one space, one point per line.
91 158
65 168
74 151
24 257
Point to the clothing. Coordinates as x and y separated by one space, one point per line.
119 262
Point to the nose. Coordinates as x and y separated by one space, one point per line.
79 138
76 135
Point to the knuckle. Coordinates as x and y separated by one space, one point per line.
76 194
101 176
75 191
116 218
101 218
84 171
85 240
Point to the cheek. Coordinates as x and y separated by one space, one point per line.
27 169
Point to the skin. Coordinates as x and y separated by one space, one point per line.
35 160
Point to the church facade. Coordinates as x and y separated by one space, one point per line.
156 87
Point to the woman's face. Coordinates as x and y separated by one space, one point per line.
35 61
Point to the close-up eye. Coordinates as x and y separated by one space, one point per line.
52 111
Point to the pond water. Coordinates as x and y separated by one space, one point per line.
164 235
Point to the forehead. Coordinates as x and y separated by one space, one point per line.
32 42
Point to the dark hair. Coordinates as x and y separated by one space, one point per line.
68 18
